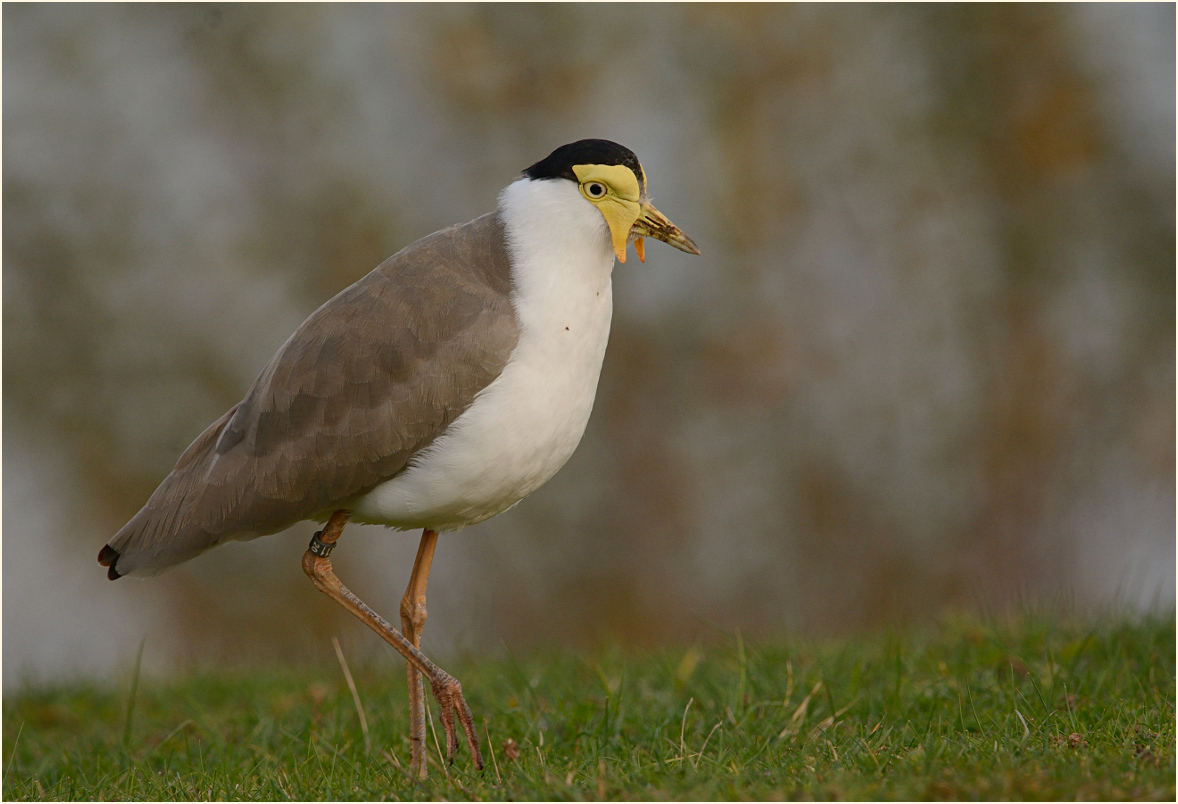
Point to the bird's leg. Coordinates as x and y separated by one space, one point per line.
413 616
446 689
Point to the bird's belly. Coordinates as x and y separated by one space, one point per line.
514 437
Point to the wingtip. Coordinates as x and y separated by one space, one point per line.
109 557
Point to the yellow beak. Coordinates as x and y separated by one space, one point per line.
652 223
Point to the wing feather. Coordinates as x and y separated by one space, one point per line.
369 379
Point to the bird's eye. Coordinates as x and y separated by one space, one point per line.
594 189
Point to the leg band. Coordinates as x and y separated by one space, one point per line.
318 548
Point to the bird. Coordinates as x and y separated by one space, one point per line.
436 392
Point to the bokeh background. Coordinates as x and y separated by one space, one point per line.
925 362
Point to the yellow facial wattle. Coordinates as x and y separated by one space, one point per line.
626 210
620 205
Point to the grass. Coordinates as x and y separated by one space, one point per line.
1027 708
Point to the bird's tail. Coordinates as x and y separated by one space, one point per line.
173 526
108 557
155 540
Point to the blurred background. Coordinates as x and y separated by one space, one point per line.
926 361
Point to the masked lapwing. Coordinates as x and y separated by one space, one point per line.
436 392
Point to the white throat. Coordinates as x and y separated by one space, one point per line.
525 425
561 254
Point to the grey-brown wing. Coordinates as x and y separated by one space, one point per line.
369 379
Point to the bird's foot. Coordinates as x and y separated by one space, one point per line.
448 693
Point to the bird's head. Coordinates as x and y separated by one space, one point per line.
610 178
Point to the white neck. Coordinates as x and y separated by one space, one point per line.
561 253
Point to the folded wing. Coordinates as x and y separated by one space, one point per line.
372 377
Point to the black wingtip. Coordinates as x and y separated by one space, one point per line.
108 557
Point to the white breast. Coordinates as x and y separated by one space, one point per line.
525 425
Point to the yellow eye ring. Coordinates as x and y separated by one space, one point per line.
594 190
